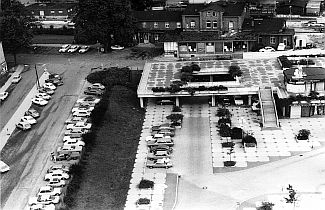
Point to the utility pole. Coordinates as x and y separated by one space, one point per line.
37 79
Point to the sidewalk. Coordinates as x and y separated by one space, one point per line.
11 125
18 70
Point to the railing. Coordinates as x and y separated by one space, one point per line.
261 104
275 111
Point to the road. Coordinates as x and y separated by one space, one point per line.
27 153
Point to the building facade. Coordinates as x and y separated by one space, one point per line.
3 64
52 11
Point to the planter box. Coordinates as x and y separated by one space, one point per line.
229 163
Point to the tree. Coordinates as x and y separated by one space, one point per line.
235 71
104 21
141 5
15 28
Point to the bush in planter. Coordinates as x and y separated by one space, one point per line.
313 94
158 89
249 139
143 201
228 144
174 88
176 109
213 88
229 163
145 184
303 134
266 206
190 90
222 88
186 77
202 88
223 112
235 71
195 67
236 133
224 130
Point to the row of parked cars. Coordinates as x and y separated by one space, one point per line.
74 48
160 145
57 175
4 95
40 99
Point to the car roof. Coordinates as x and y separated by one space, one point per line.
45 188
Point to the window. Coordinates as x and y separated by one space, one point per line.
32 12
155 25
156 37
214 14
167 25
208 14
192 24
272 40
208 24
215 24
52 12
231 25
179 25
144 24
60 11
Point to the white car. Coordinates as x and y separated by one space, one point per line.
24 126
66 149
16 79
55 182
44 199
74 120
68 138
81 125
74 142
43 96
97 86
73 48
75 133
42 207
267 49
28 119
48 190
65 48
84 49
91 99
58 167
56 174
82 108
3 96
4 167
39 101
81 113
117 47
49 85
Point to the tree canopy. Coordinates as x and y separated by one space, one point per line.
106 22
15 28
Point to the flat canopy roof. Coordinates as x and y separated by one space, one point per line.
310 73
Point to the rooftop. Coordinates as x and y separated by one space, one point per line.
266 26
158 15
311 73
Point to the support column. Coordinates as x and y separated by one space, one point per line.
249 100
213 101
211 78
177 101
141 102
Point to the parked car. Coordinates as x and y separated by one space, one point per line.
73 48
39 101
49 85
56 174
4 167
158 155
74 142
55 76
84 49
267 49
159 163
48 190
281 47
54 81
16 78
32 112
166 132
82 108
81 125
66 149
44 199
3 96
91 99
84 103
81 113
68 156
46 90
58 167
44 96
75 133
160 141
24 126
64 48
74 120
117 47
165 126
161 147
67 138
42 207
55 182
28 119
96 86
95 92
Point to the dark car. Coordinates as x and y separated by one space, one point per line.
95 92
55 76
68 156
55 81
46 90
161 148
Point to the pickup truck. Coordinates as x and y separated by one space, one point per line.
161 141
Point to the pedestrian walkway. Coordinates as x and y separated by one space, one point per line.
18 71
268 109
11 124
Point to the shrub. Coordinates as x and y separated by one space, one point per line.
313 94
235 71
143 201
145 184
187 69
229 163
195 67
222 88
223 112
249 139
202 88
186 77
236 133
224 121
190 90
228 144
303 134
175 117
266 206
174 88
176 109
225 130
